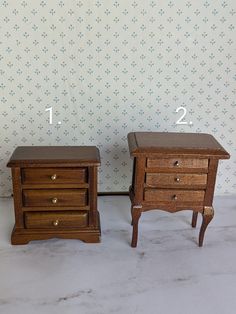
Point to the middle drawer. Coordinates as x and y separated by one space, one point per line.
55 197
176 180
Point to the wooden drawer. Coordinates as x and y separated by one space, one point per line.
54 175
176 180
177 164
180 196
56 220
53 197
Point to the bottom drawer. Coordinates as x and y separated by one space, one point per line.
182 196
56 219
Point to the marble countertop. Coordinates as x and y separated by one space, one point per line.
166 273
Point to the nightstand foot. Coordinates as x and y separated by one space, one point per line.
17 238
136 213
91 239
207 215
194 219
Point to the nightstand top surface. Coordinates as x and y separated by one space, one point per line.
54 155
173 143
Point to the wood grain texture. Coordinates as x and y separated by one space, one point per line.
54 175
63 197
16 182
179 144
178 163
211 180
55 193
139 179
93 191
173 195
173 172
56 220
24 236
178 180
54 155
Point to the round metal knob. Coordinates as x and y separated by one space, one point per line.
177 179
175 197
176 163
53 177
55 223
54 200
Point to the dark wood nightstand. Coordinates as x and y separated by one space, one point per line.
173 172
55 193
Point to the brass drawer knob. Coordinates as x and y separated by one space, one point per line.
54 200
55 222
177 179
175 197
176 164
53 177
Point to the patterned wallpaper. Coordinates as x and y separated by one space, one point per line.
110 67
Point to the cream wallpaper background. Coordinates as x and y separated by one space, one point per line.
110 67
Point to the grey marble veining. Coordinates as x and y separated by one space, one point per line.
166 273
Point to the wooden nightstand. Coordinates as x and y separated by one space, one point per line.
55 193
173 172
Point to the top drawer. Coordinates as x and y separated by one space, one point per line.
178 164
54 175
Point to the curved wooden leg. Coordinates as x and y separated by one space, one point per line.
136 213
132 215
207 215
194 219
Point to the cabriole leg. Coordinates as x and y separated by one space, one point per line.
194 219
207 215
136 213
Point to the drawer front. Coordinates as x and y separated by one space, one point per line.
176 180
56 220
179 196
53 197
178 163
54 175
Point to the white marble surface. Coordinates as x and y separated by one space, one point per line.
166 273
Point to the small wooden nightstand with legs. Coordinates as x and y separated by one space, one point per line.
173 172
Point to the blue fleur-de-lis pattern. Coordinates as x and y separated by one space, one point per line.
110 67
